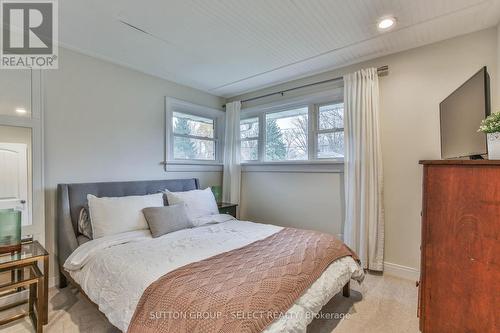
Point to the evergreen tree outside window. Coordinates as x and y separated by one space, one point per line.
275 145
193 137
183 147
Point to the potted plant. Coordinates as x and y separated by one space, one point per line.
491 126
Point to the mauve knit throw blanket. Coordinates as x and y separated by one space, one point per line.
243 290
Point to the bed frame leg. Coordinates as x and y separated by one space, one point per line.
63 282
346 291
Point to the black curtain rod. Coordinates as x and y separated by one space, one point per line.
382 71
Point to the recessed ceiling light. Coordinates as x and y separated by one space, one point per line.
21 110
386 23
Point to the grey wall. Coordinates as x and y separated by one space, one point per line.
104 122
419 79
15 91
300 200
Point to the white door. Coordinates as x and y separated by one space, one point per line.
14 178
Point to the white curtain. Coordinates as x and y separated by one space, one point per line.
232 168
364 224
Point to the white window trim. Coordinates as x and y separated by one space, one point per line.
312 101
176 105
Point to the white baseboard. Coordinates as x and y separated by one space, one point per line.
401 271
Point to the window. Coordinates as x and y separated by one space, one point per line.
193 137
249 131
286 135
193 133
330 133
301 133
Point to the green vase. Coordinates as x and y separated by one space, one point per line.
217 191
10 230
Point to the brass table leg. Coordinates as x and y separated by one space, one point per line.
40 309
44 312
20 277
31 300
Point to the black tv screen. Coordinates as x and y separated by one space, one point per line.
461 114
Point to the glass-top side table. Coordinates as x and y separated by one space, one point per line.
31 251
30 255
27 277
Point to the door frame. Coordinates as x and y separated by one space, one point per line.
35 123
22 169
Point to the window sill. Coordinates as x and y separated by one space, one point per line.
318 166
192 166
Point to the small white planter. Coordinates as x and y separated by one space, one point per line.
494 146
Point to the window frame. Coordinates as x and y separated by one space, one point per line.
313 130
218 116
282 109
317 131
253 138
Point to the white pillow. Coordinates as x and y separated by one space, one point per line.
110 216
198 202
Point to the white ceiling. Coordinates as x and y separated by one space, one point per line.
228 47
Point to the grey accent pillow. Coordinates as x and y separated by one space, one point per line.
84 225
167 219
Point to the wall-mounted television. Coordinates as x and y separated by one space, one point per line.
461 114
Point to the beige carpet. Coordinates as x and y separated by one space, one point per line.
381 304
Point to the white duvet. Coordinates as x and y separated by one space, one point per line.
115 270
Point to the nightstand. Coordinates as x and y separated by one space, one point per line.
25 274
227 208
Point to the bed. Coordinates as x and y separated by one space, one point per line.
114 272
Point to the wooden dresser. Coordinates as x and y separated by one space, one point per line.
459 289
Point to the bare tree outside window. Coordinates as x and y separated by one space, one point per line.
330 141
286 137
249 133
296 138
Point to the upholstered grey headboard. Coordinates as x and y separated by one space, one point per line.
72 197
